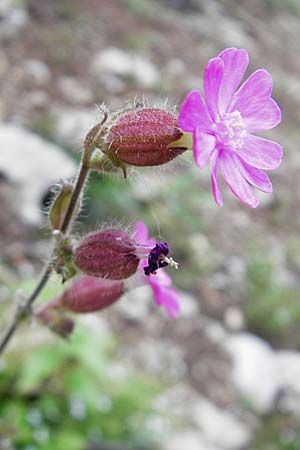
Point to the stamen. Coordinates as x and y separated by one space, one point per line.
231 131
171 262
158 258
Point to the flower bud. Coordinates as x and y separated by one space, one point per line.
89 294
144 138
57 322
60 206
108 253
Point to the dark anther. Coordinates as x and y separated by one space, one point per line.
156 258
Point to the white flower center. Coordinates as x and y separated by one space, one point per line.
230 131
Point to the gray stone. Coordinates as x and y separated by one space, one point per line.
33 165
73 91
37 71
219 426
234 318
14 17
36 99
159 358
135 304
289 369
117 62
189 439
255 371
213 427
189 307
72 125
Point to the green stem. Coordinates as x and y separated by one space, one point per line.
24 309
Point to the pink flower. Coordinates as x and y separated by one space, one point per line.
223 123
160 283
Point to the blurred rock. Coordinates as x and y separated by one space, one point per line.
159 359
213 427
146 186
175 67
219 426
36 71
126 66
255 371
234 318
203 254
73 91
72 126
37 99
33 165
189 306
289 370
134 305
13 16
188 439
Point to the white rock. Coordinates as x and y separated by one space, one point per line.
213 329
255 370
33 165
37 71
220 427
234 318
161 358
187 440
73 91
36 99
13 17
175 67
148 185
135 304
189 307
289 370
72 125
175 399
124 65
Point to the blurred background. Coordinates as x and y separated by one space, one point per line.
226 374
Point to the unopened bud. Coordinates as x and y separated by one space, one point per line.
60 206
90 294
57 322
108 254
144 137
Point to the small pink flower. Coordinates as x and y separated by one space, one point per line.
160 283
223 123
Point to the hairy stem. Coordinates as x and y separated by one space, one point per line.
24 309
80 181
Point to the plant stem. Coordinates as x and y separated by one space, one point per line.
80 181
24 309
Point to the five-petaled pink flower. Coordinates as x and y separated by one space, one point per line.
222 125
161 282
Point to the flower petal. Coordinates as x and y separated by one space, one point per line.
254 176
253 93
166 296
267 117
235 65
215 180
203 147
194 112
141 235
212 81
235 181
261 153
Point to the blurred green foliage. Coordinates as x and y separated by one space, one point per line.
73 394
278 433
272 310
